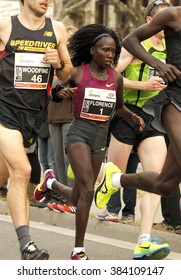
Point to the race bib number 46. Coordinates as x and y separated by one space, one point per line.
31 71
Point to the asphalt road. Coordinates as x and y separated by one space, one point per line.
59 242
108 245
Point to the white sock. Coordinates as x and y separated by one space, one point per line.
143 237
50 182
78 250
116 180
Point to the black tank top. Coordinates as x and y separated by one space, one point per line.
173 45
25 78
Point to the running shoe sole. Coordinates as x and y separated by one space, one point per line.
43 255
158 254
70 209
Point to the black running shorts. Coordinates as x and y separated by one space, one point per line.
27 122
127 131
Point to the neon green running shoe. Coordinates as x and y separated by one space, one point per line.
151 250
70 173
105 188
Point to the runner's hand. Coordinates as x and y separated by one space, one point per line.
139 121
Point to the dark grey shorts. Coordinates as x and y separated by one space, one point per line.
27 122
95 137
171 95
127 131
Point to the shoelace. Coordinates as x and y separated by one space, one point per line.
29 249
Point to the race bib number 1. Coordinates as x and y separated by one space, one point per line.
98 104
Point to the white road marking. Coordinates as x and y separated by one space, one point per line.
91 237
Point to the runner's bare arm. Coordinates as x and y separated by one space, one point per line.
59 58
121 109
132 43
5 30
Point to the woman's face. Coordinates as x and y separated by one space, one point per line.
103 52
